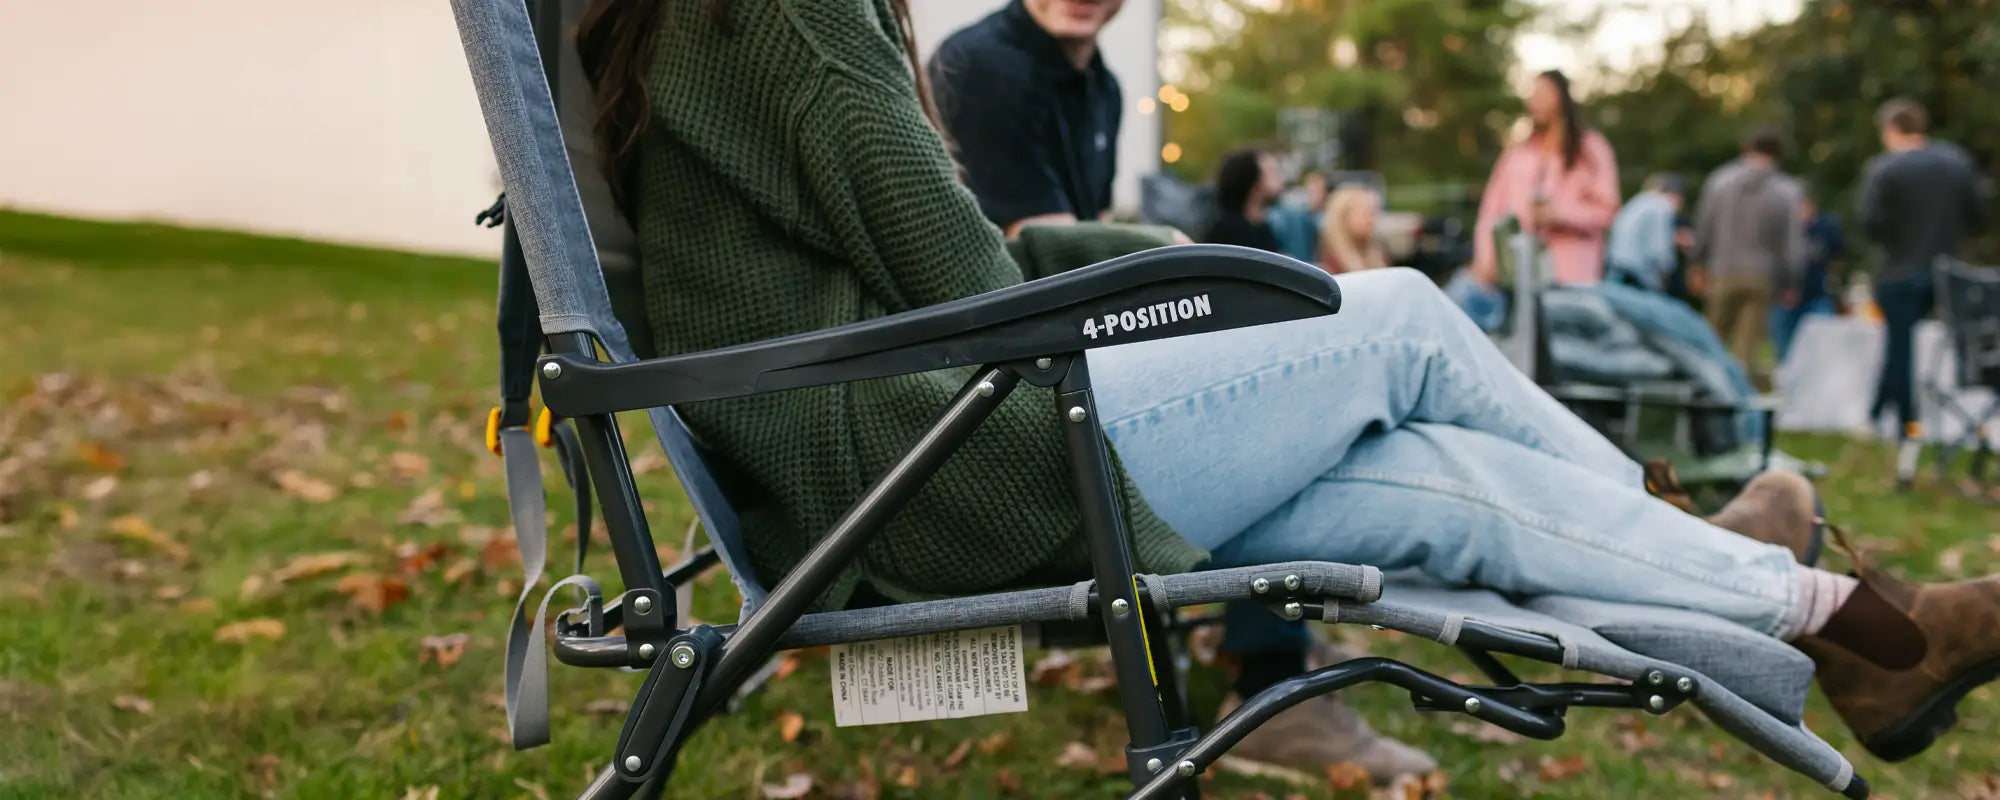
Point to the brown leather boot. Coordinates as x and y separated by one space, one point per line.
1662 482
1898 713
1780 508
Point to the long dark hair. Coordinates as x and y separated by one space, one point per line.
1572 117
1238 175
615 41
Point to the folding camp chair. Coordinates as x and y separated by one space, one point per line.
553 295
1646 419
1964 382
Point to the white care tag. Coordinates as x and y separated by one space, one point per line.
935 676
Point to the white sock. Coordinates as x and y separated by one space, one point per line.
1820 594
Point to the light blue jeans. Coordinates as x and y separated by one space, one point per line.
1395 434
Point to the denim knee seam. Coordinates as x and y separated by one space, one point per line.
1452 489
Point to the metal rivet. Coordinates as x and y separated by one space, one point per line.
1656 703
1120 608
1292 582
985 389
1656 678
646 651
1378 627
633 763
1153 765
1686 685
683 656
1043 364
1260 586
552 370
1076 414
1472 705
1186 769
1293 610
642 604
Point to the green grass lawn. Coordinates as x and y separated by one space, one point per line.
244 505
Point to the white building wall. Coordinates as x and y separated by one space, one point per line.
352 121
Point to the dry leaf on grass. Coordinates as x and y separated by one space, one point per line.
313 565
127 569
429 511
1347 776
1005 778
958 754
445 650
787 665
995 743
796 785
1077 755
605 705
373 591
304 487
907 777
789 725
1951 562
408 465
425 793
414 560
245 630
1718 781
99 489
1055 668
498 554
170 592
138 530
197 605
136 705
1489 734
1554 769
201 479
649 461
535 789
459 570
100 458
1634 737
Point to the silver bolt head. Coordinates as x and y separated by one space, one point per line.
1076 414
552 371
1120 608
1292 582
633 763
1656 703
1153 765
642 604
1472 705
1656 678
1185 768
1686 685
1260 586
683 656
985 389
1293 610
1043 363
646 651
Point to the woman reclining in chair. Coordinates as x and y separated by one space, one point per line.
779 163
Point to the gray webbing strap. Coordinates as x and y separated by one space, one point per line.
527 667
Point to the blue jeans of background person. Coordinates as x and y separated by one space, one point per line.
1485 305
1395 434
1785 322
1668 318
1904 303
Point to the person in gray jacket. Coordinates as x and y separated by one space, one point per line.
1749 235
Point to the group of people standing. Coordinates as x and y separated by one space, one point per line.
1756 252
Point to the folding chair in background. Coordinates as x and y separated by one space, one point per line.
1968 303
1028 337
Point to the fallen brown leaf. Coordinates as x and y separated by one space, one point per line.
1347 776
303 487
1404 787
408 465
1554 769
796 785
136 705
1077 755
1005 778
314 565
201 479
170 592
606 705
649 461
197 605
425 793
100 458
958 754
240 632
99 488
458 570
789 725
1951 562
138 530
445 650
66 518
907 778
535 789
429 511
786 666
127 569
498 554
1718 781
1053 668
373 591
414 560
995 743
1489 734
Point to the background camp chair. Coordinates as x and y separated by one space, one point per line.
1964 384
1648 420
553 296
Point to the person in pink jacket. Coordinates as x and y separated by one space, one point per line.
1561 182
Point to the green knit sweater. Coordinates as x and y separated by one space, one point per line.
789 182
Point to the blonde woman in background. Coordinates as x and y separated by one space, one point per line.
1347 241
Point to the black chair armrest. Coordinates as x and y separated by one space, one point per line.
1152 294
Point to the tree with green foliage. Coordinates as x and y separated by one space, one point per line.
1427 81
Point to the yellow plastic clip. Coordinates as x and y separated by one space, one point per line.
544 429
493 430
